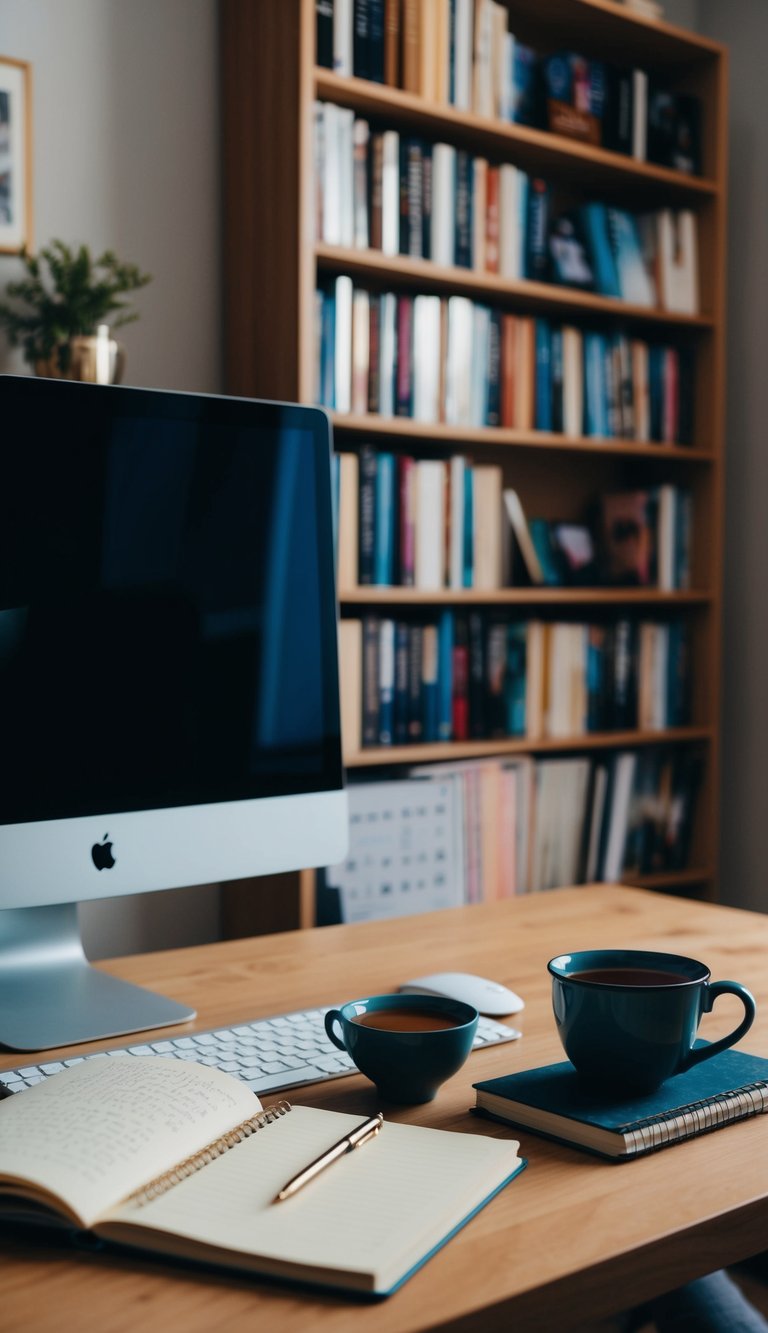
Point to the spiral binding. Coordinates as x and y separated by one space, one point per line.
696 1118
161 1184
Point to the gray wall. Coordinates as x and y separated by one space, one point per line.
126 156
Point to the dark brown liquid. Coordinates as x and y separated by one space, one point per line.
405 1020
630 976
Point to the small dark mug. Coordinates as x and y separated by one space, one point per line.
628 1018
406 1066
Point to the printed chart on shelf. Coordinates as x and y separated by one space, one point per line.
405 850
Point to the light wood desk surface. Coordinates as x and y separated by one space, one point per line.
571 1240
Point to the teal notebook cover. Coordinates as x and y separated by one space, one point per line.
553 1101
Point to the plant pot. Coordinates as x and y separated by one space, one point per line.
95 358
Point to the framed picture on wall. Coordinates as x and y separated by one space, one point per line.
15 155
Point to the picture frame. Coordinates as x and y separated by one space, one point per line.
15 155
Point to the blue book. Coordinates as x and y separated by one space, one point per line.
536 233
595 396
469 528
594 222
384 521
634 280
543 375
327 377
540 530
515 680
656 357
445 676
554 1102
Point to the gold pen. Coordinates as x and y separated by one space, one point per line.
362 1133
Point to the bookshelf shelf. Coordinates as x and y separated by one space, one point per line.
538 150
670 879
622 597
372 265
439 434
447 751
273 265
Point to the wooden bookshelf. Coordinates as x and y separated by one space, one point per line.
272 261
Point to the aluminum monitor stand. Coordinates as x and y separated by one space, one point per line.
51 996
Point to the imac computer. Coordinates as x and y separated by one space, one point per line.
169 699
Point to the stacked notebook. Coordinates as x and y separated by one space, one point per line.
180 1159
553 1101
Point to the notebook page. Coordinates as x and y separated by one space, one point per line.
96 1132
377 1210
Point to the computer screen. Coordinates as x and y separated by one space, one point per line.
169 704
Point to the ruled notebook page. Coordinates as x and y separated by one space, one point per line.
98 1131
377 1210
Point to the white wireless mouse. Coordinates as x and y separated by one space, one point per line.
488 997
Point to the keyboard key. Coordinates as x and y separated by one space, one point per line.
55 1067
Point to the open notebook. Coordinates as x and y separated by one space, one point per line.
180 1159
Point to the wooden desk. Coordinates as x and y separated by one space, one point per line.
572 1240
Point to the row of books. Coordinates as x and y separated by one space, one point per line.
479 830
484 676
401 194
450 523
461 52
456 361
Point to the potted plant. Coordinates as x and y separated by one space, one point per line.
64 309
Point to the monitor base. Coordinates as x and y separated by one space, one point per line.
51 996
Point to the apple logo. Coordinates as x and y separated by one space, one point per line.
101 853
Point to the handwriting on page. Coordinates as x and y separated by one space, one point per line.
104 1128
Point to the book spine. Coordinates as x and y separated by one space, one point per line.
392 43
370 703
386 680
401 684
415 645
407 518
477 727
360 141
324 33
361 39
404 369
429 677
460 678
445 676
343 37
384 524
367 515
463 210
376 41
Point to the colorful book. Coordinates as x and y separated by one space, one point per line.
554 1102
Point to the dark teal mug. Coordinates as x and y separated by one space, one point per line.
406 1044
628 1018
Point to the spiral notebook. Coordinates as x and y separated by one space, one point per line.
554 1102
180 1159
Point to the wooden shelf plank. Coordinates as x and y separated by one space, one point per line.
396 596
669 878
451 750
438 433
422 273
538 150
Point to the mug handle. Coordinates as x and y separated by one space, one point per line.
715 989
334 1016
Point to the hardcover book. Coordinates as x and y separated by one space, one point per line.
554 1102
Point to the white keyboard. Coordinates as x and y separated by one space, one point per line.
269 1054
